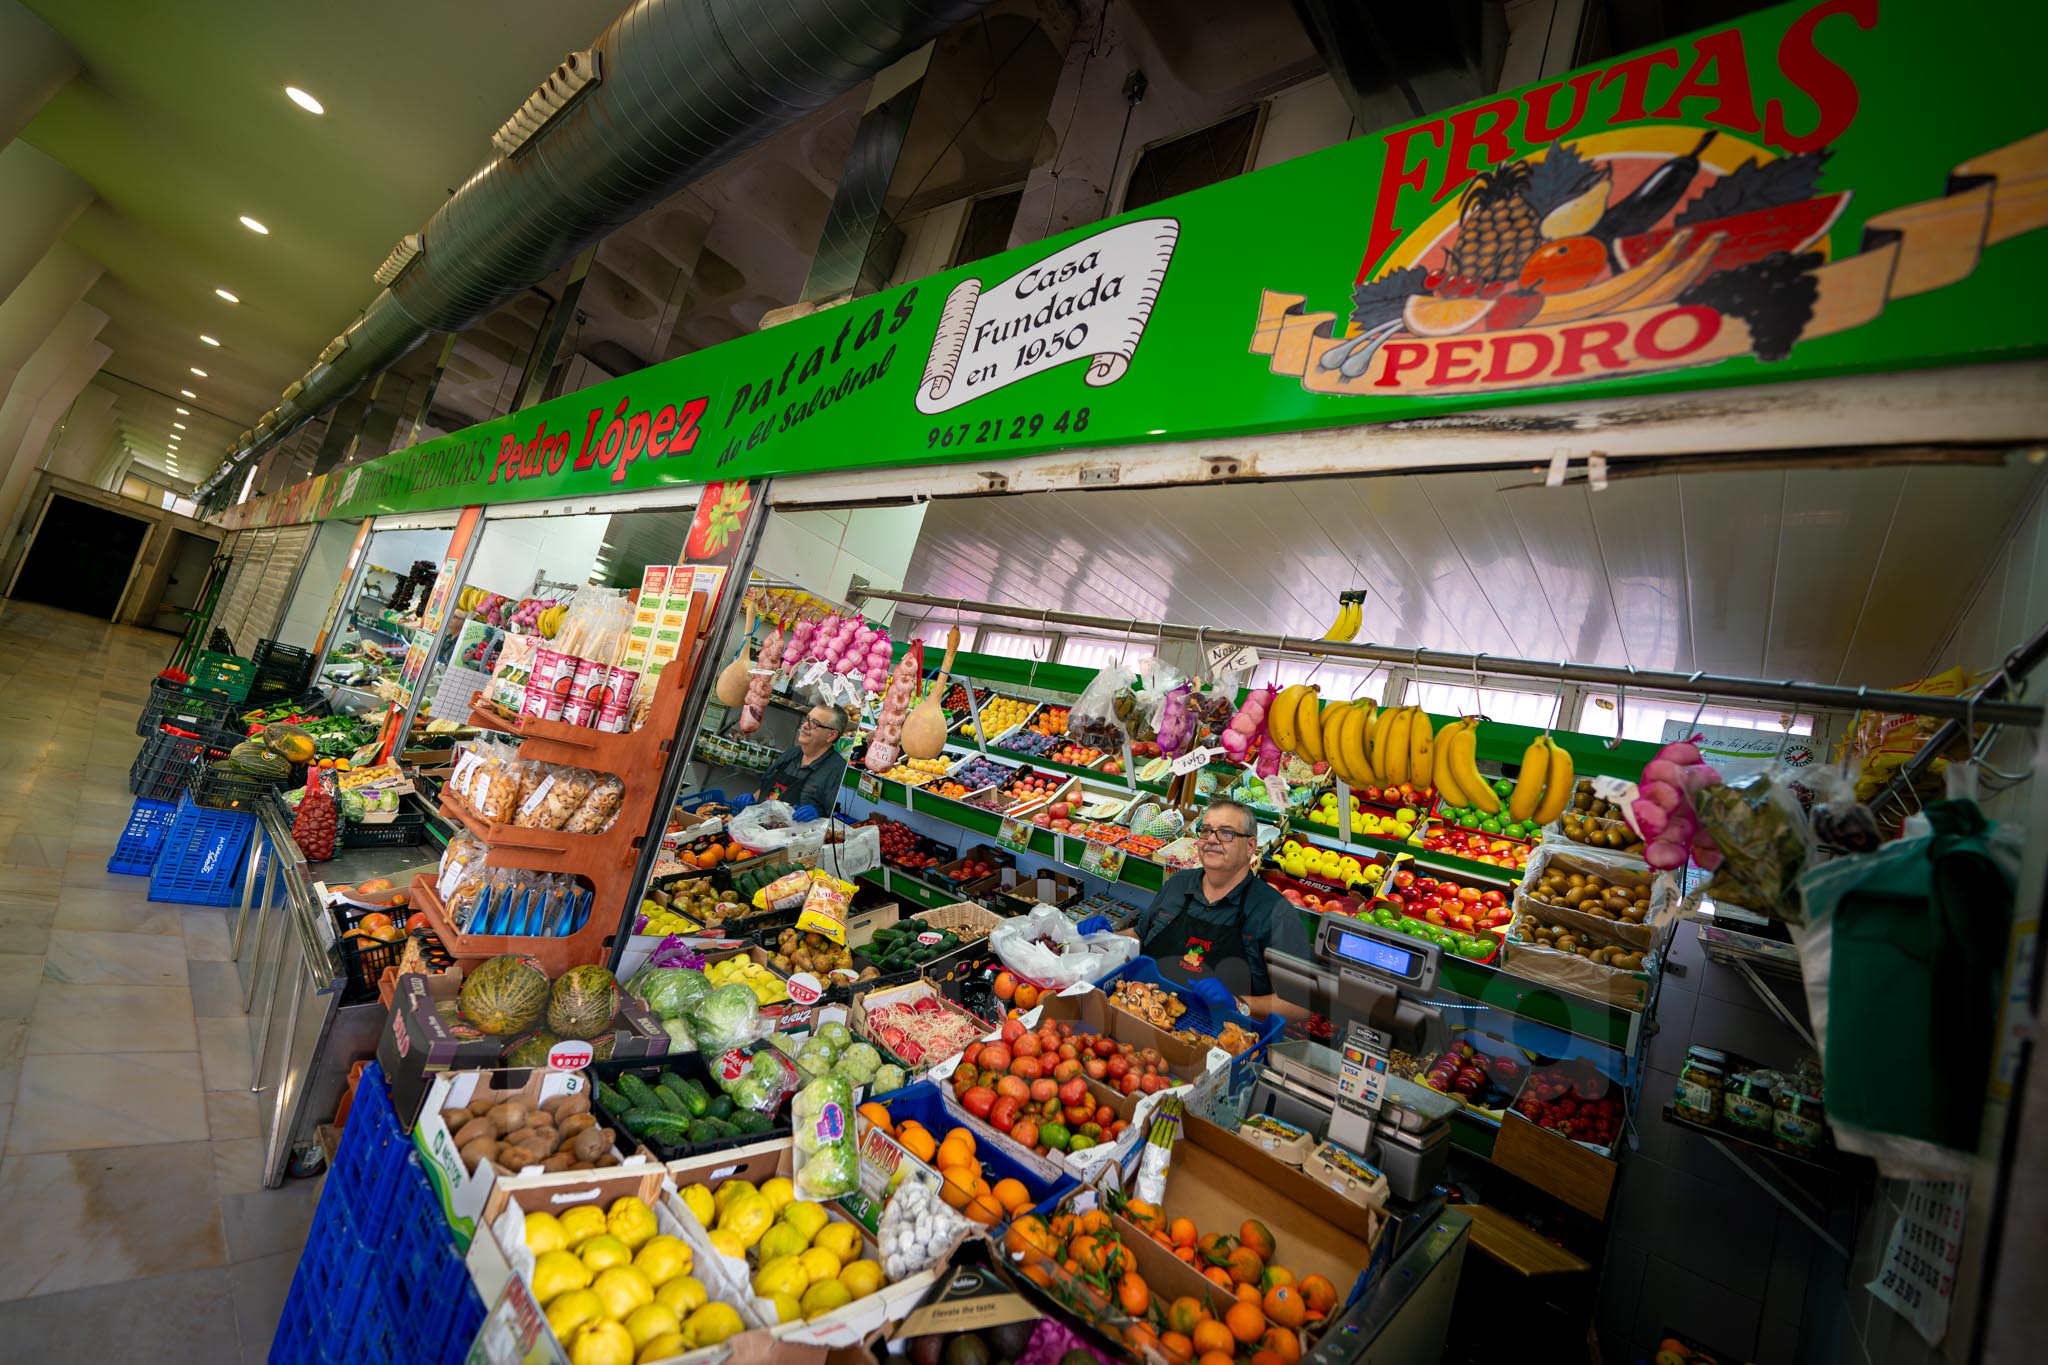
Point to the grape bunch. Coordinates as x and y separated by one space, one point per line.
1774 297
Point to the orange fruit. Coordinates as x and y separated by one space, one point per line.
1038 1274
1177 1347
954 1190
1029 1237
984 1209
1276 1274
1133 1295
1282 1344
915 1140
1144 1215
1213 1336
1318 1293
1216 1248
1258 1237
1218 1275
1245 1322
1245 1265
878 1117
711 857
1214 1358
1182 1315
963 1136
1139 1335
1182 1232
1266 1358
1012 1195
1247 1293
1284 1305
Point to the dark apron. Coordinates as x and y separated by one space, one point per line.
1188 948
780 788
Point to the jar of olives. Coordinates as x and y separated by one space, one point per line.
1700 1086
1747 1103
1797 1120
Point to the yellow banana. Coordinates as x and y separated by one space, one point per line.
1280 718
1329 729
1558 786
1377 752
1350 614
1441 776
1396 769
1528 793
1308 726
1356 738
1465 763
1421 748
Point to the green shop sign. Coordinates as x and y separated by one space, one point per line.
1820 189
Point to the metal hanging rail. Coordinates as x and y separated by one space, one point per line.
1788 693
2011 675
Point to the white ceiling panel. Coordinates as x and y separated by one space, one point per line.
1850 575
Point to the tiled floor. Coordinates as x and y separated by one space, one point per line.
129 1176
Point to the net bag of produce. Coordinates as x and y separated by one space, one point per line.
1045 946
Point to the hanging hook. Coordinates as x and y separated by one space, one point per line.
1620 712
1478 702
1557 707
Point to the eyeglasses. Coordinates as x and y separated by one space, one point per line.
1219 834
809 724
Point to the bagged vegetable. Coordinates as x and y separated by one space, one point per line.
766 827
679 1036
917 1230
784 893
728 1017
759 1078
1094 719
1045 946
821 1123
824 909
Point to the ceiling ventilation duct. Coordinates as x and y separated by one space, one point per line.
688 85
404 254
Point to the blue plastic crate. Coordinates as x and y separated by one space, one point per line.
135 852
1200 1018
376 1339
201 859
460 1321
921 1102
293 1342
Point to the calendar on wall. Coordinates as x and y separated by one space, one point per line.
1917 1277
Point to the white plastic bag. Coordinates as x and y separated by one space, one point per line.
1045 946
766 827
860 851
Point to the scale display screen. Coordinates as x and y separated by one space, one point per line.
1372 952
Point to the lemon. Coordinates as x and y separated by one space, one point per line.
697 1199
779 1241
571 1310
651 1320
622 1289
731 1190
841 1239
861 1278
823 1297
784 1275
806 1217
603 1252
685 1294
726 1242
786 1308
662 1259
778 1192
631 1221
580 1224
557 1272
662 1347
713 1323
544 1233
820 1264
601 1343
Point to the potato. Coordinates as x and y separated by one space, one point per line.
483 1149
474 1129
590 1144
576 1123
509 1116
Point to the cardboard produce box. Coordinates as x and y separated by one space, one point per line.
418 1041
1027 889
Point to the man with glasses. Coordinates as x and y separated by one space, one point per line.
807 774
1211 929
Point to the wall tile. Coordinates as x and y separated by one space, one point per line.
1674 1028
1676 1299
1749 1030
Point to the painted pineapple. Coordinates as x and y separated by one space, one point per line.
1498 227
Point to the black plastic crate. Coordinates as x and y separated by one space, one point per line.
363 960
219 789
690 1066
281 671
842 993
408 829
172 760
172 703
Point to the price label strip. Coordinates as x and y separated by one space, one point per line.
1104 860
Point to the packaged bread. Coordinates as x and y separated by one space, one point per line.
558 796
599 808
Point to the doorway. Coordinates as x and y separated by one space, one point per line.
81 558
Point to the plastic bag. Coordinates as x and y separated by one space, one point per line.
669 991
860 851
1093 719
1045 946
1839 821
821 1126
1761 832
824 909
766 827
759 1078
1161 678
727 1017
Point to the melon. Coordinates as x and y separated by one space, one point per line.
532 1050
583 1003
506 994
249 759
289 742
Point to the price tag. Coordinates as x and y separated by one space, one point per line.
1277 791
870 787
804 988
1198 757
1232 659
1104 860
929 937
1015 834
812 675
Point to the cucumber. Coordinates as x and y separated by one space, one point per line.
695 1099
612 1099
719 1107
639 1092
747 1121
669 1100
655 1123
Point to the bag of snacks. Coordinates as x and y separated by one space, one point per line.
824 909
599 808
559 794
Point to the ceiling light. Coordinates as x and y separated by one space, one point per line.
254 226
211 341
187 393
183 412
179 425
226 295
304 100
201 373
